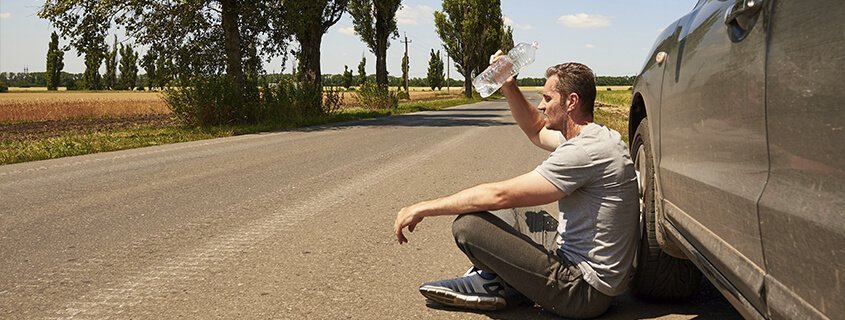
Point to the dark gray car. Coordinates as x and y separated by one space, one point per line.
738 135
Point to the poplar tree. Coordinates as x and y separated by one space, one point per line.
110 77
435 74
128 67
471 31
362 72
375 22
148 62
347 77
507 39
404 81
55 63
308 21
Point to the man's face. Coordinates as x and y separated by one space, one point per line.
551 107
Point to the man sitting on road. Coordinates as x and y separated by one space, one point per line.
572 268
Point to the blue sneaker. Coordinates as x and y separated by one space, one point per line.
469 291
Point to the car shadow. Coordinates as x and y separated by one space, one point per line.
707 304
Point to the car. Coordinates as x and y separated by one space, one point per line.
737 132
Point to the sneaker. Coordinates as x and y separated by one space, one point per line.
469 291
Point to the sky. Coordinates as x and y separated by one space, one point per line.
611 36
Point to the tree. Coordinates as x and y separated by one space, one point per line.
55 63
375 22
163 71
307 22
149 64
201 37
111 66
362 72
93 59
507 39
471 30
347 77
435 75
404 81
128 67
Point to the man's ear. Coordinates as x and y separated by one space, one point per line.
572 102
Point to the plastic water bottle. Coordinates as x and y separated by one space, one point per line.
505 67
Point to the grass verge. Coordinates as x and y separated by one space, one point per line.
79 143
612 110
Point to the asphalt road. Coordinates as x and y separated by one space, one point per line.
284 225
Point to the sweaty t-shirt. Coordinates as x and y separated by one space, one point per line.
599 214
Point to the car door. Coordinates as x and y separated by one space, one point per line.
801 211
714 158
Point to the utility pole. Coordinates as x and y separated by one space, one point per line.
406 42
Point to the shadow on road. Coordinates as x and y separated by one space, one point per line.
441 118
706 305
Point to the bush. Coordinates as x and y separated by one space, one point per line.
210 101
373 96
295 103
404 95
3 88
74 85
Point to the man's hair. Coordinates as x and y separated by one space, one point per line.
578 78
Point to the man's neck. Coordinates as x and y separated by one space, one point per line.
574 126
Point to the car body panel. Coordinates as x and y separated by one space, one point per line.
714 159
748 135
801 211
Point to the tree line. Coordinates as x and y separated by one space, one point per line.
221 46
600 81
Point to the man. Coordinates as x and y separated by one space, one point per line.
572 268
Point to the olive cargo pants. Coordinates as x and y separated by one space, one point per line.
519 245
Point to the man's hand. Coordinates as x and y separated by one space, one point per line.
496 56
407 217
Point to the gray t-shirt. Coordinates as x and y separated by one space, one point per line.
599 216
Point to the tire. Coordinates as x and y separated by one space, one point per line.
659 276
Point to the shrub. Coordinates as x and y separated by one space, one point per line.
210 101
373 96
404 95
3 88
294 103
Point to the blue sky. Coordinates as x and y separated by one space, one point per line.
610 36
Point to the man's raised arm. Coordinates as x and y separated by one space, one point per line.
528 118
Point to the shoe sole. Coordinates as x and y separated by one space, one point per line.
453 299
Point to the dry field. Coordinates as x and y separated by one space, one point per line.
42 106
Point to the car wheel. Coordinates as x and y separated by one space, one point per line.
658 276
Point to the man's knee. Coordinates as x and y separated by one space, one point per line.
466 225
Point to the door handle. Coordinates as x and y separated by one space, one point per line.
741 17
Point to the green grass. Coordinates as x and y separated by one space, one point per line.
615 113
80 143
619 98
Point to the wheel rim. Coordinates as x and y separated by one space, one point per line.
640 170
639 166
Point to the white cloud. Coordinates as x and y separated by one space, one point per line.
4 15
410 15
509 22
589 46
347 30
583 21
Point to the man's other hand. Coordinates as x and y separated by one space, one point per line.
407 217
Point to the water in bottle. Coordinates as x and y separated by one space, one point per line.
505 67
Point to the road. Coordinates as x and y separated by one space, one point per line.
287 225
